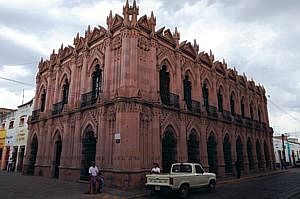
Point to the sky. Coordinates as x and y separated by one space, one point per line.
258 38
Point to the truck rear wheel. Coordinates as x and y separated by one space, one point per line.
212 186
183 191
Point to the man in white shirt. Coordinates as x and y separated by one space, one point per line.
155 169
93 171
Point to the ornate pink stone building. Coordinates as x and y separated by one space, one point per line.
129 95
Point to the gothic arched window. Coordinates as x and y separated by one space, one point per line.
66 91
164 85
220 100
187 89
43 100
232 104
259 116
242 107
251 112
97 81
205 95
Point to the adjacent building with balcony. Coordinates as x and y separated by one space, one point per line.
129 95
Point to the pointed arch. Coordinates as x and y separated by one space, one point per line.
258 154
193 146
88 151
169 149
169 64
267 155
227 153
239 151
250 154
33 154
97 57
212 153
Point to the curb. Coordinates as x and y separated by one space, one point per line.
233 181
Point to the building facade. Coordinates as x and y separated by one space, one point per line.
129 95
290 153
14 128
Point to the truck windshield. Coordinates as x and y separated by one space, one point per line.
182 168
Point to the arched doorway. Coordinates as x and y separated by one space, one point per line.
169 152
33 154
250 154
88 153
239 152
258 154
227 154
267 156
193 147
58 148
212 153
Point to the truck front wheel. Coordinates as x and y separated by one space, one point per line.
183 191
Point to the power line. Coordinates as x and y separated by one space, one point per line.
282 110
16 81
20 64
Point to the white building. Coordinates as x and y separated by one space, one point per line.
291 152
16 128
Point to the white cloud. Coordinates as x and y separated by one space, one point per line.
11 100
14 72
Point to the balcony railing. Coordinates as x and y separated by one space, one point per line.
88 99
257 125
170 99
249 122
238 119
35 115
58 108
212 111
227 116
194 106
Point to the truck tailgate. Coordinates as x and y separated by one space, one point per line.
158 179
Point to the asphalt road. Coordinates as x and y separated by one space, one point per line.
280 186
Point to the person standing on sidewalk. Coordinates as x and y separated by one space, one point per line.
10 165
238 168
93 171
155 169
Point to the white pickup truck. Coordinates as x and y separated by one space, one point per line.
182 178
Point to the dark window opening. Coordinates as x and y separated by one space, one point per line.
251 112
66 91
205 94
164 85
242 108
97 81
259 116
187 88
232 104
220 101
43 100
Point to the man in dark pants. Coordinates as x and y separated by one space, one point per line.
238 168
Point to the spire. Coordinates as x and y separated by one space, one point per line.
134 4
109 20
196 46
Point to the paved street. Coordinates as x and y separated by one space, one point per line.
280 186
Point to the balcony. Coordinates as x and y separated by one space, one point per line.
238 119
194 106
170 99
35 115
227 116
248 122
212 111
88 99
57 108
257 125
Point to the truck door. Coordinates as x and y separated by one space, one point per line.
201 179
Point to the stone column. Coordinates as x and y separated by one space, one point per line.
245 153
